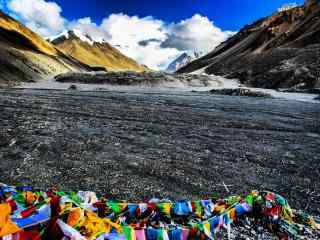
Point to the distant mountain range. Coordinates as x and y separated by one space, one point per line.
183 60
280 51
25 56
95 53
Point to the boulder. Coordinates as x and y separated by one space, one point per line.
240 92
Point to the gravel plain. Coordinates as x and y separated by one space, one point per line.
137 145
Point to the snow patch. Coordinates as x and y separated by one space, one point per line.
63 34
287 7
78 33
83 38
234 83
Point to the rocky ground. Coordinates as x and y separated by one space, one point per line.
127 78
134 145
160 81
240 92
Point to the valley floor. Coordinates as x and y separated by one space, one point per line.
134 145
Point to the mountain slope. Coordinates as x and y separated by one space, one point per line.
95 54
182 61
25 56
280 51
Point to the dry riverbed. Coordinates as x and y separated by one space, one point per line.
132 145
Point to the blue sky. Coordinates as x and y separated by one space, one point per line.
153 32
227 14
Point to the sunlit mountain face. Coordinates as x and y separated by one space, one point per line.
95 52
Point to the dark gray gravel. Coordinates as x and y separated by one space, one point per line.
183 145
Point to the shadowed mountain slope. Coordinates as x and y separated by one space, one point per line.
280 51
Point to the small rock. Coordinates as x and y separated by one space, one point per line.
73 87
290 155
12 142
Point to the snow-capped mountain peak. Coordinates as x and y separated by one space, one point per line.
78 34
184 59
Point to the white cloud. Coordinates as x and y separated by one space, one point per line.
148 40
196 33
128 32
152 55
86 26
155 44
124 28
41 16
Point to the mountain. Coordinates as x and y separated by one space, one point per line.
25 56
97 54
279 51
182 61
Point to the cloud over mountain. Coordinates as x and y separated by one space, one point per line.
134 31
196 33
86 26
40 16
150 41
